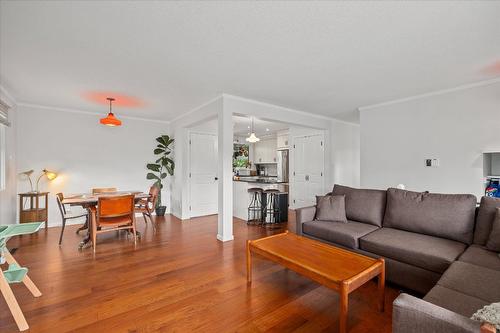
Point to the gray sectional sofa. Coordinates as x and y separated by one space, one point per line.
433 244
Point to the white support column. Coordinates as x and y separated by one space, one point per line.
225 151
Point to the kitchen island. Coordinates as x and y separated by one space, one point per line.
241 197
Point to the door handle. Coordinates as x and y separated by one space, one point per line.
216 178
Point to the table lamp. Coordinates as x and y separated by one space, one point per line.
49 174
28 174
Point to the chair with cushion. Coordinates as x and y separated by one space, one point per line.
114 213
67 216
101 190
147 205
96 191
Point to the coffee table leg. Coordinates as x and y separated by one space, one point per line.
249 263
381 287
344 306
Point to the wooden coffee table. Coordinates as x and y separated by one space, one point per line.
341 270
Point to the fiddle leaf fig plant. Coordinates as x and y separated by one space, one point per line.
162 167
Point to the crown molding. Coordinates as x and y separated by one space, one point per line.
196 108
69 110
9 98
432 94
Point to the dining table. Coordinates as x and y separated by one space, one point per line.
89 202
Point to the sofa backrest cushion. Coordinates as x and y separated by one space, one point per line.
448 216
362 205
331 208
484 220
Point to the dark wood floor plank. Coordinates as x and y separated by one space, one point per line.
177 279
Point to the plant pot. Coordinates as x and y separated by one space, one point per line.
160 211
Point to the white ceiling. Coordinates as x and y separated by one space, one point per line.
322 57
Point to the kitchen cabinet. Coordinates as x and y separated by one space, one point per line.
265 151
282 140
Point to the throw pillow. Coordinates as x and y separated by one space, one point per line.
318 197
493 242
489 314
331 208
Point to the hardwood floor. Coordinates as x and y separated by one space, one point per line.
180 279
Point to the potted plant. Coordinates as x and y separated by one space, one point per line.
162 167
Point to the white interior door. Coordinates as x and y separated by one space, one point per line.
300 191
203 174
309 165
315 154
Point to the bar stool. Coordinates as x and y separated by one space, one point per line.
255 206
271 212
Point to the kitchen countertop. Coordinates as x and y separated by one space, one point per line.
259 180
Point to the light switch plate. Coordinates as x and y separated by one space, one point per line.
432 162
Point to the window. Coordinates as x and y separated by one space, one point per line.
4 122
3 163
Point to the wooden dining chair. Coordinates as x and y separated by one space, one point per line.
146 206
114 213
67 216
100 190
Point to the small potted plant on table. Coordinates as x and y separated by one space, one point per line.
162 167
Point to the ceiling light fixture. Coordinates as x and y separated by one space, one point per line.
110 119
252 138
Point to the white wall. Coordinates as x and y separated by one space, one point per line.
8 197
180 129
85 153
454 127
344 154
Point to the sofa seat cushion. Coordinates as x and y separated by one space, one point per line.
475 281
454 301
363 205
344 234
448 216
480 256
428 252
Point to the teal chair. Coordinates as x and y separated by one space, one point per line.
15 273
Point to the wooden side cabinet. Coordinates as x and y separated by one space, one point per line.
33 207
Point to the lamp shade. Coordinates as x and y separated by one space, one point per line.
110 120
252 138
50 174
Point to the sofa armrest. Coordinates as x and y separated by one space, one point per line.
413 315
302 215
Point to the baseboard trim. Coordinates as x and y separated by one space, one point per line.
227 239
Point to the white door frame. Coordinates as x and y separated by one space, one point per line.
188 159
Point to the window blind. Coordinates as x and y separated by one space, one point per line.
4 114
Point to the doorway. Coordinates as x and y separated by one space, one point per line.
203 181
309 164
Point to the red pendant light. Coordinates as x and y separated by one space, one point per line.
110 119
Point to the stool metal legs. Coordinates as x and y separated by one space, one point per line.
271 213
255 209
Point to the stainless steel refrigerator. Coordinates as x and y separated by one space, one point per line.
282 160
